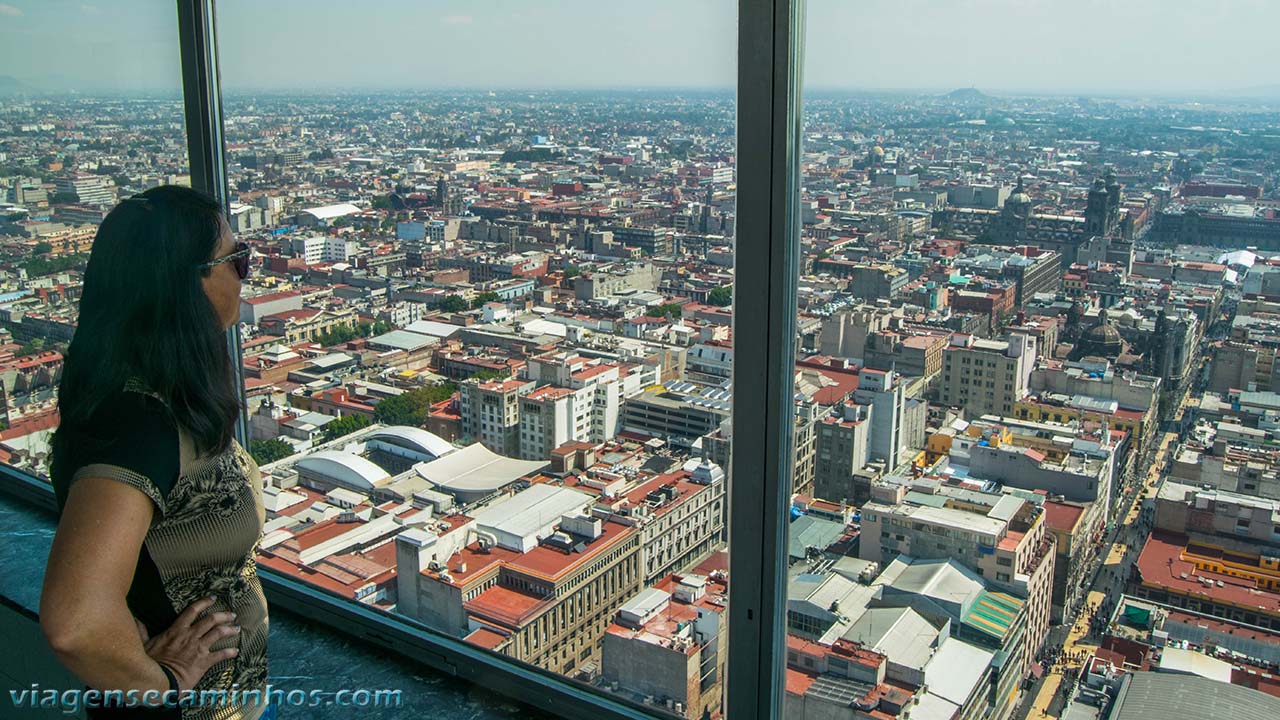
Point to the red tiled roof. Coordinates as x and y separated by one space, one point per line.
320 532
486 638
798 682
1060 516
593 371
505 606
1162 564
47 420
548 392
543 560
275 562
846 381
260 299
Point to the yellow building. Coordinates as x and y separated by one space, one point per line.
1139 425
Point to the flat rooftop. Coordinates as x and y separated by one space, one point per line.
1166 563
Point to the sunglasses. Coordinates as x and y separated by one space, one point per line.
240 256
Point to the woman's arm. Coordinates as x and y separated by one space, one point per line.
83 611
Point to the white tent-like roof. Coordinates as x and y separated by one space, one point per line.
475 471
417 438
345 469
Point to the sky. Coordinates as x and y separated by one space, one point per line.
1053 46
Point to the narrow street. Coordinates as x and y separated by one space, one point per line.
1076 640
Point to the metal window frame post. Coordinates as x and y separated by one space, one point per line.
766 275
206 146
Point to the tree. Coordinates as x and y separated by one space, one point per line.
412 407
485 375
42 248
571 271
721 296
268 451
381 202
453 303
35 346
668 310
530 155
484 297
39 265
344 425
64 198
337 336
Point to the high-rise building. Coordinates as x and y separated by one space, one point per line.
90 189
842 450
897 421
309 249
531 577
650 240
986 376
1001 537
28 192
551 416
491 413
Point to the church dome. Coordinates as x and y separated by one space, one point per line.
1019 198
1102 335
1102 340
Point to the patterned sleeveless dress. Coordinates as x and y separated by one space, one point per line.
202 541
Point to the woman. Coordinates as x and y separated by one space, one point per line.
151 583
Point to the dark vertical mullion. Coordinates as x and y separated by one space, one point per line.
202 96
766 261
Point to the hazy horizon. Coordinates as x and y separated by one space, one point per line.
1001 47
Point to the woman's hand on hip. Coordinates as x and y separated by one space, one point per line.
184 646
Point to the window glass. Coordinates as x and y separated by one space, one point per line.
90 113
487 340
1026 230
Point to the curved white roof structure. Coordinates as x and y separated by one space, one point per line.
1238 257
473 472
346 469
413 438
329 212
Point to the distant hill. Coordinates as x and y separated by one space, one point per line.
10 85
1256 91
967 95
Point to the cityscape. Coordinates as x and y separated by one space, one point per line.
488 346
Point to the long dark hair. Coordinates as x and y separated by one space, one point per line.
144 314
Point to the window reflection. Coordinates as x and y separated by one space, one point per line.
487 351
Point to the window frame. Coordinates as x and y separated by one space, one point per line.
766 260
767 257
